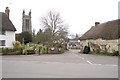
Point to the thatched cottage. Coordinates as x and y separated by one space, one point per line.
102 37
7 30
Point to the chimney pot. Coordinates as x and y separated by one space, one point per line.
96 23
7 11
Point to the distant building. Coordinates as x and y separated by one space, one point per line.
74 43
76 38
26 22
102 37
7 30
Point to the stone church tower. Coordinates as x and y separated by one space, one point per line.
26 22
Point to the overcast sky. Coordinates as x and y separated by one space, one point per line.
80 15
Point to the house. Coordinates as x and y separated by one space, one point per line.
7 30
102 37
74 43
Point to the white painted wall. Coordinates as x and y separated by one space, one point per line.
9 37
76 42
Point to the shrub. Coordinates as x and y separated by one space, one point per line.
65 47
44 49
12 51
16 44
0 50
7 51
3 50
86 49
115 53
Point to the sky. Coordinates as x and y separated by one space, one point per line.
80 15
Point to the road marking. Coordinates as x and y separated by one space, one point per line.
104 65
84 59
93 63
89 62
110 65
97 64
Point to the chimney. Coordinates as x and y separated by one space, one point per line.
96 23
7 11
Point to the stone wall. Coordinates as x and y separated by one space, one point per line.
101 45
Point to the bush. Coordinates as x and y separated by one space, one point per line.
65 47
44 49
11 51
5 50
86 49
0 50
16 44
115 53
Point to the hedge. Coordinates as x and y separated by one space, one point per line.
115 53
9 51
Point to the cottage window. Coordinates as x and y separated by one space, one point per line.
103 38
94 47
103 47
2 42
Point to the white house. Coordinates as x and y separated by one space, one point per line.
7 30
74 43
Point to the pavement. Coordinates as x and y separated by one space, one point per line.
70 64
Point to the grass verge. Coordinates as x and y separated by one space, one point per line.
106 54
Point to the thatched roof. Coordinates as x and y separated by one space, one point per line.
108 30
6 23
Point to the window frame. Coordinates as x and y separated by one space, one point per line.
2 42
103 47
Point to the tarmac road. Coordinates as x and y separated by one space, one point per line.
70 64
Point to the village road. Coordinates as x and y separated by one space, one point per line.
70 64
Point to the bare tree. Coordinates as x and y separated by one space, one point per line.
54 22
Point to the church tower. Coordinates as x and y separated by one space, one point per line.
26 22
76 38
